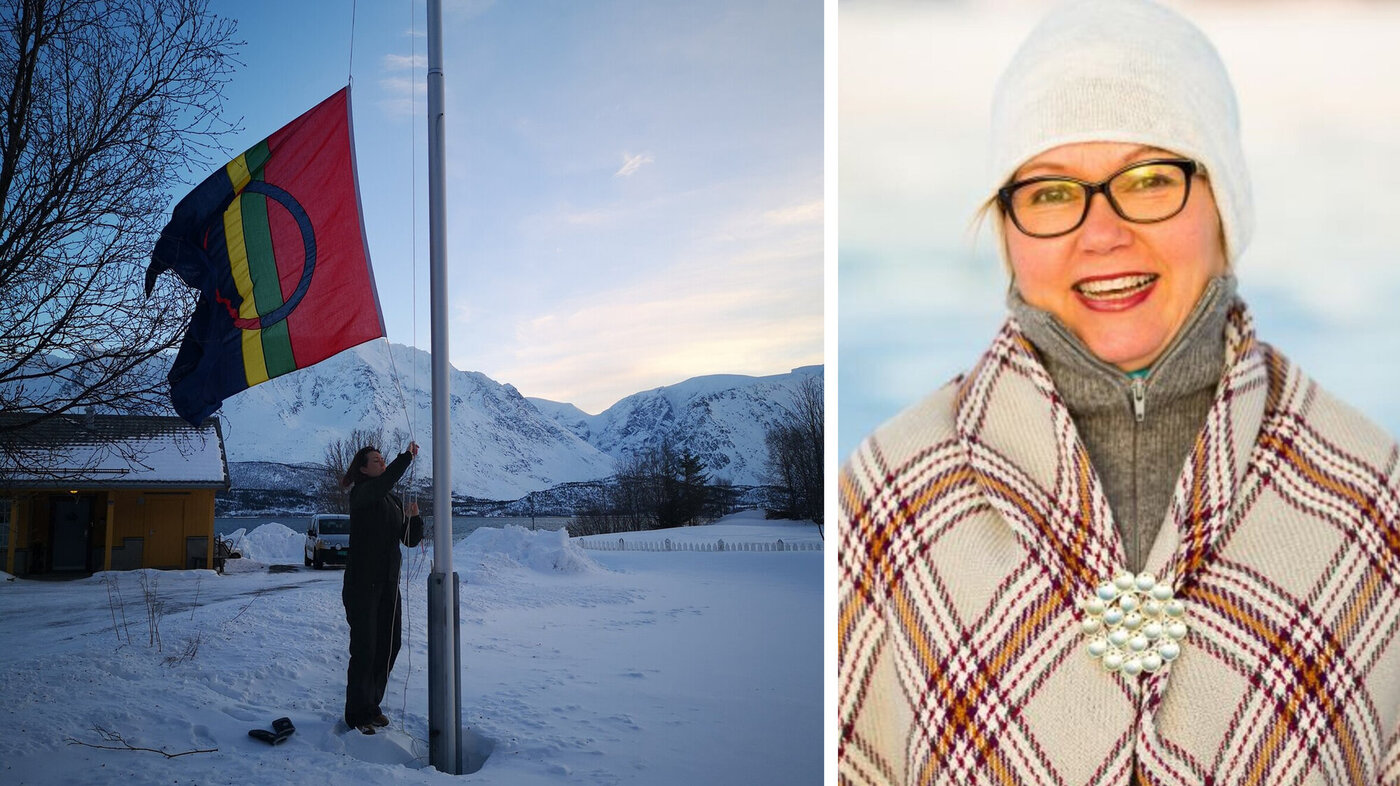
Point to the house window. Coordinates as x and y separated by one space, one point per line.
5 523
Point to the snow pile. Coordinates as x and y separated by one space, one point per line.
270 543
543 551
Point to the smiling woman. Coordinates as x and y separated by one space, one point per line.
1122 273
1135 543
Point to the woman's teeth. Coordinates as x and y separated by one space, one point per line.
1113 288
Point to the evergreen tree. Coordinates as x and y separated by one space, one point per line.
693 483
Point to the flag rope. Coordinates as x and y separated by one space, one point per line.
403 402
413 201
418 557
350 69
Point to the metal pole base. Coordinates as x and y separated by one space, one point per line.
444 667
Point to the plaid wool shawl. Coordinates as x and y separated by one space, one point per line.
973 524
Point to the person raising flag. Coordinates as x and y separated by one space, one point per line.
379 522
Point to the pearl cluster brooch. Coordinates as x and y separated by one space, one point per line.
1134 624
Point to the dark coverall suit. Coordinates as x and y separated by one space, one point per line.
377 527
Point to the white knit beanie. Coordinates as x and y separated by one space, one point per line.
1125 71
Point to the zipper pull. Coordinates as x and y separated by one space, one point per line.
1139 399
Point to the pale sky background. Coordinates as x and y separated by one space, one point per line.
921 296
634 186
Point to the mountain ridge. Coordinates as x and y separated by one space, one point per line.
504 445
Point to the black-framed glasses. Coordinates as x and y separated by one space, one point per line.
1143 192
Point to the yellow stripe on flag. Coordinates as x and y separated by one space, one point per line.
238 258
238 173
254 364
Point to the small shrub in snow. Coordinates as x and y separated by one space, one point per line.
244 608
155 608
188 651
117 605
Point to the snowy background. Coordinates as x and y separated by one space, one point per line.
579 666
921 295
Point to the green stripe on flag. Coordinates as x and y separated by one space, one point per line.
267 290
256 158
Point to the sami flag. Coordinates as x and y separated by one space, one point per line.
275 245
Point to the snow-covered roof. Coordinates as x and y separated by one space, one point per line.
70 451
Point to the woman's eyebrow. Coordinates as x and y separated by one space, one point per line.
1054 166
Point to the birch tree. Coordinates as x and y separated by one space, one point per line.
111 108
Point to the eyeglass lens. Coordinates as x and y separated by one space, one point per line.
1147 193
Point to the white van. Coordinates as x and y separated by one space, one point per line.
328 540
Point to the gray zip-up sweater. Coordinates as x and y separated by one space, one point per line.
974 528
1138 431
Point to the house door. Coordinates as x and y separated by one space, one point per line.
165 534
70 519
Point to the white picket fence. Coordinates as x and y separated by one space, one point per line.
622 544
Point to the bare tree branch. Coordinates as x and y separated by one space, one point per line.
795 445
123 745
332 497
109 106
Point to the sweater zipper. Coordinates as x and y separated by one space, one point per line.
1138 388
1135 560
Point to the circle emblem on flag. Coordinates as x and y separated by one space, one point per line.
308 268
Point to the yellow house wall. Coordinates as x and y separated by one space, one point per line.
19 528
163 519
199 522
20 525
130 515
39 514
165 530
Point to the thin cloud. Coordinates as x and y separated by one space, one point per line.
587 217
400 62
807 213
403 96
404 92
634 345
748 314
631 163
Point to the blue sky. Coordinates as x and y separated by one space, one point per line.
634 188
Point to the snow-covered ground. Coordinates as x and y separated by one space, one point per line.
738 531
578 667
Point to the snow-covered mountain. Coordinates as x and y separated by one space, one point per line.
502 446
721 418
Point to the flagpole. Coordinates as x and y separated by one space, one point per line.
444 652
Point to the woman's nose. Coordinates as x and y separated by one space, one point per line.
1103 229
